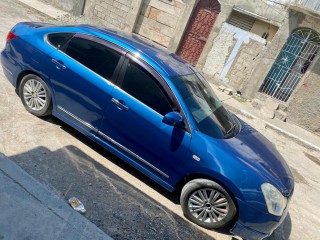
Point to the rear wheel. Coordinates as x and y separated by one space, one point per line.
35 95
207 204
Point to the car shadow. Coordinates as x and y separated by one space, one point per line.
112 203
174 197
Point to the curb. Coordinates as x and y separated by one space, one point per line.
28 4
276 129
298 140
51 201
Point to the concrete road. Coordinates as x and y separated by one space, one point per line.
119 200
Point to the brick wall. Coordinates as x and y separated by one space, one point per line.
112 12
158 20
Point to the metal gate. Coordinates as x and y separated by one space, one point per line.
291 64
198 30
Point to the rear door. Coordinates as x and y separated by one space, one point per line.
82 73
133 123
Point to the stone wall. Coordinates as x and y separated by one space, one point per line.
230 56
217 57
303 107
112 13
245 64
158 20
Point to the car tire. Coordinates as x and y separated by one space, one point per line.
207 204
35 95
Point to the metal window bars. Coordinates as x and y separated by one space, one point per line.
291 64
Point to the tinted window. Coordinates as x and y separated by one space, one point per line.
59 39
209 114
143 87
95 56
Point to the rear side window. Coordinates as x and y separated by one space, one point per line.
59 39
141 85
94 56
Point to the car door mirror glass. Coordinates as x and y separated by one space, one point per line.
173 119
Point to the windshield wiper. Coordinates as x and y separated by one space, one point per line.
231 129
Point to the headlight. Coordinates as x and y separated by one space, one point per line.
276 202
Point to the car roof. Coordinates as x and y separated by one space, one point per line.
168 62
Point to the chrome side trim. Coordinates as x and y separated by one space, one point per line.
133 154
78 119
113 141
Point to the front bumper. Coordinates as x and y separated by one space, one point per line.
247 233
254 224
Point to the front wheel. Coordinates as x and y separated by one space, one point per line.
207 204
35 95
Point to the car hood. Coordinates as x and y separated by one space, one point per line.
256 151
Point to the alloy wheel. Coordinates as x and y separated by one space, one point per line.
34 94
208 205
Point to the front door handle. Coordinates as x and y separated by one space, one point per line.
120 104
59 64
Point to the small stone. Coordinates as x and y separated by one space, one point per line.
222 88
256 103
228 91
281 115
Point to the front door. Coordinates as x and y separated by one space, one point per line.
198 30
81 76
134 124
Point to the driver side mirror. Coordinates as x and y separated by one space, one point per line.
173 119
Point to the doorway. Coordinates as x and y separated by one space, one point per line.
198 30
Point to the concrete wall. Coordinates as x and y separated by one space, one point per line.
231 54
75 7
162 21
303 107
245 64
158 20
120 14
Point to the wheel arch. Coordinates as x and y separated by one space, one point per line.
25 73
232 190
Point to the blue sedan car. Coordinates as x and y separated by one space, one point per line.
156 112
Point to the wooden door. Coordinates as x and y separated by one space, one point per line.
198 30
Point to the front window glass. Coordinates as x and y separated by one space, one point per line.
206 109
141 85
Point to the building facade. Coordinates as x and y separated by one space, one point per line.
266 49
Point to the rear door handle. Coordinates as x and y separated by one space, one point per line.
120 104
59 64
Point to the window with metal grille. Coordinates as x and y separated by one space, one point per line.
252 23
241 20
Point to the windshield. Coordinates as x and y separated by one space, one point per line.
206 109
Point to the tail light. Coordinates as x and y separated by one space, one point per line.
11 36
